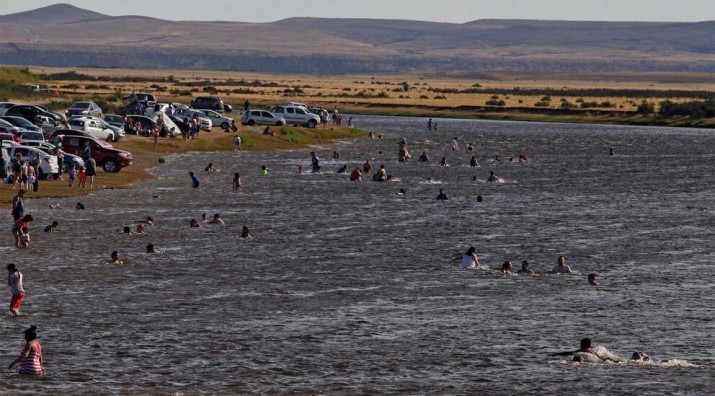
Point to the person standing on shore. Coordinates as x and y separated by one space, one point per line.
30 358
91 171
14 280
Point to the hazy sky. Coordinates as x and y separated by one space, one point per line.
456 11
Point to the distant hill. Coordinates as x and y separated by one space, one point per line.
63 35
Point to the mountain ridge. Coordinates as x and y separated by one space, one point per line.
353 45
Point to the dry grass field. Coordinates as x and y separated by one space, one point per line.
455 94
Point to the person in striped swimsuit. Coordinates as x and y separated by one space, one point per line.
30 358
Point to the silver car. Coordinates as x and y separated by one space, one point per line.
84 108
217 119
261 117
204 121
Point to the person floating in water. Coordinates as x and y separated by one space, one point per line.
424 157
592 280
195 224
562 268
148 222
401 192
264 170
210 167
150 248
343 169
194 180
442 196
493 178
245 233
443 162
79 206
525 269
115 258
470 260
30 358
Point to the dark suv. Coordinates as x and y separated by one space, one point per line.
30 113
210 103
106 156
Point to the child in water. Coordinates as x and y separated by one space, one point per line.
24 237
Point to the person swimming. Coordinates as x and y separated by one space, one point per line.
587 354
493 178
424 157
245 233
506 268
148 222
442 196
473 162
525 269
127 230
79 206
195 224
470 260
562 268
343 169
52 227
210 167
592 280
401 192
150 248
217 219
140 229
115 258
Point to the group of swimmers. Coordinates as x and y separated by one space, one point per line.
471 261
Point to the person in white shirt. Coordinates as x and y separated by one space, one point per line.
14 280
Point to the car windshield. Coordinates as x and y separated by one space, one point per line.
81 105
19 121
115 118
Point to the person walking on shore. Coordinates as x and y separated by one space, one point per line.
14 280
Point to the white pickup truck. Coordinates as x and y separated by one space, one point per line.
94 128
296 115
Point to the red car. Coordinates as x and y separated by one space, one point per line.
68 132
106 156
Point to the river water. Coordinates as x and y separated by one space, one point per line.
348 288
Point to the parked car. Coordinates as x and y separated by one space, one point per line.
114 119
261 117
108 157
21 123
204 121
7 127
93 127
296 115
217 119
147 123
49 148
4 106
118 132
178 107
67 132
30 113
9 137
208 102
84 108
162 107
57 115
30 135
48 162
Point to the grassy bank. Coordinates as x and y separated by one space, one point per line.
145 156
